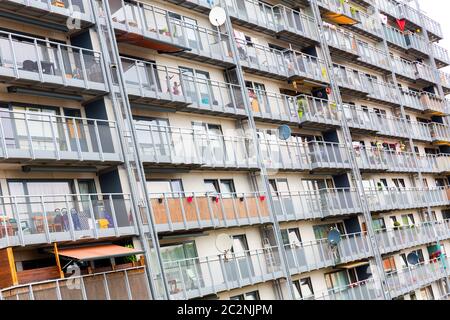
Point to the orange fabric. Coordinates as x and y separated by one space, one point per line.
96 252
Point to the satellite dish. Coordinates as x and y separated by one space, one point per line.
334 237
224 243
217 16
413 258
284 132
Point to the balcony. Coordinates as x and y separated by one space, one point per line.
381 91
49 65
395 37
202 276
200 210
368 26
193 148
444 79
319 204
443 161
403 68
409 279
440 55
154 28
39 219
301 66
417 44
314 255
412 99
402 199
418 19
420 131
273 107
373 58
36 137
364 290
351 81
434 104
318 113
126 284
337 11
157 85
391 240
294 155
425 73
342 43
390 7
360 119
50 11
391 126
440 133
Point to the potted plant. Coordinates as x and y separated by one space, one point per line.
397 225
130 259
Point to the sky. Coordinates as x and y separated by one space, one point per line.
439 10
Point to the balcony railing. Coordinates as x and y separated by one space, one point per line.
359 118
301 65
50 64
412 278
336 6
394 36
425 72
389 7
201 276
405 198
439 132
382 90
392 126
419 18
443 161
349 78
367 23
160 25
58 11
444 78
440 53
197 210
308 256
171 86
373 56
417 42
390 240
311 109
302 205
30 136
404 67
412 99
192 147
68 217
290 20
295 154
340 39
126 284
364 290
433 103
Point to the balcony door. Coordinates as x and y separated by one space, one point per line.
295 250
210 142
154 137
188 27
321 194
282 196
197 85
238 264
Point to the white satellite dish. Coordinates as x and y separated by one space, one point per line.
217 16
224 243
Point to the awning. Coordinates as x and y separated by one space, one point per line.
88 253
353 265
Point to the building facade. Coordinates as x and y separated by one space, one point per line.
142 156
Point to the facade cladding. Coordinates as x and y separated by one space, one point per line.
142 156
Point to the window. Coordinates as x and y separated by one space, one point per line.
153 135
427 293
318 184
201 90
337 280
253 295
389 265
169 187
240 244
379 224
321 231
291 236
408 220
399 183
223 186
303 289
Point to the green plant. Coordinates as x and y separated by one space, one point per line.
301 103
397 225
130 258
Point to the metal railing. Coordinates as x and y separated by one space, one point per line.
382 90
419 18
405 198
394 36
417 42
66 217
433 102
363 290
33 135
50 63
424 71
412 99
313 255
273 106
64 7
302 205
201 276
311 109
163 144
371 55
390 240
350 78
336 6
439 131
440 53
193 210
126 284
152 81
414 277
160 24
368 23
288 19
403 67
295 154
340 39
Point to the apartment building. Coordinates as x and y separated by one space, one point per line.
136 134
